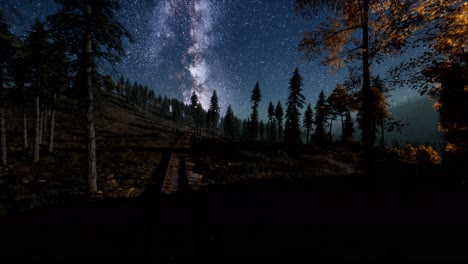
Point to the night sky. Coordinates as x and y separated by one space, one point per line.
227 45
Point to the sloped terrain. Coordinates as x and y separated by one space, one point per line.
131 144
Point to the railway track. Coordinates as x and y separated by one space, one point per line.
176 177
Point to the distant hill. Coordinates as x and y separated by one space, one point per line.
423 122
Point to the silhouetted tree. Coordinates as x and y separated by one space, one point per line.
271 122
321 116
60 67
91 32
20 73
261 130
292 132
255 98
308 121
229 123
213 112
39 43
279 119
151 97
10 45
340 102
348 127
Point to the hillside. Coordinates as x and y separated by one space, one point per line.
132 144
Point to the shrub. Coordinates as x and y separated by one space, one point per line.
408 152
427 155
423 154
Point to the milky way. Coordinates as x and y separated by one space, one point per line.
205 45
190 25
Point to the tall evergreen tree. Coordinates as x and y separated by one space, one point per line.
279 119
20 71
92 32
10 45
229 124
271 122
213 112
255 98
195 112
320 119
308 121
261 130
294 103
60 67
39 43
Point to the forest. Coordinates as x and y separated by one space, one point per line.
94 167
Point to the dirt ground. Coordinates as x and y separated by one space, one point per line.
131 146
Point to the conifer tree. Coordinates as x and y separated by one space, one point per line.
279 119
321 116
91 31
213 112
271 122
308 121
294 103
255 98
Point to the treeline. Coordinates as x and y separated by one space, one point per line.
293 125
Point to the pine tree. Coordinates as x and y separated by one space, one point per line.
229 123
20 73
255 98
9 46
60 67
261 130
194 109
271 122
39 43
279 119
308 121
294 103
321 116
213 112
92 32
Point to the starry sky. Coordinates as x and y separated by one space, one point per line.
222 45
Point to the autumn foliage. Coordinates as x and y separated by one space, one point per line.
423 154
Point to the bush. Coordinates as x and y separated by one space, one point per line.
408 152
427 155
423 154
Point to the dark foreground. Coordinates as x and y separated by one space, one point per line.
335 218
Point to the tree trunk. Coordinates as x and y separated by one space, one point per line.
307 140
382 138
45 116
37 129
342 128
52 124
25 117
90 133
3 150
367 107
41 122
331 124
